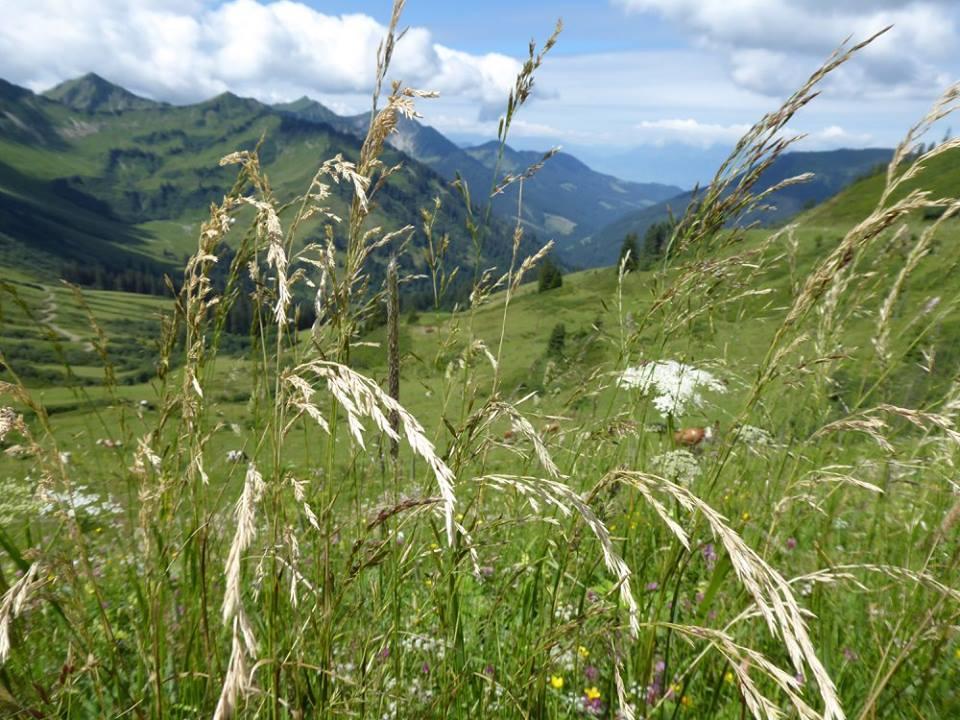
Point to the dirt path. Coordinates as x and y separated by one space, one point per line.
48 315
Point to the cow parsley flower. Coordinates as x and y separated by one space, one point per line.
678 466
676 386
755 437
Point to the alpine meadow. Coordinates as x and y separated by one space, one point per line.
308 414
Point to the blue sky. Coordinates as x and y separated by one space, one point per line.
648 89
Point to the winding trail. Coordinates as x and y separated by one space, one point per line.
49 315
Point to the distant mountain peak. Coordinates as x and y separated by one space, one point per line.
92 93
307 108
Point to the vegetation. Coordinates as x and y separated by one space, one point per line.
629 255
551 277
237 537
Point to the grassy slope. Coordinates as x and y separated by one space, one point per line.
139 181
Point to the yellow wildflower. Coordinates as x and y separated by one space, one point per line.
592 693
728 677
556 681
583 652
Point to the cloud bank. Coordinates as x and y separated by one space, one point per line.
772 45
185 50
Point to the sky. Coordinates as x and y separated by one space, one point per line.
647 89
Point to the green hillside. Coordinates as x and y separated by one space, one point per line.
93 176
832 172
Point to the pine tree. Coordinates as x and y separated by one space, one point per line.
550 275
633 258
557 341
655 241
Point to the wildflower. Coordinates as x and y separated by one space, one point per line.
956 654
676 385
653 692
583 652
709 555
745 516
651 586
754 437
384 653
686 701
849 655
728 677
591 693
556 682
591 673
679 466
425 669
791 543
489 671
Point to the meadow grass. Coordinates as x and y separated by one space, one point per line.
537 546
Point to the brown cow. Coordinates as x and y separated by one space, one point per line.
694 437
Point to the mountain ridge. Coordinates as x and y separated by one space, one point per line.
92 93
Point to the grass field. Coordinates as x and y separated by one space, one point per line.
195 526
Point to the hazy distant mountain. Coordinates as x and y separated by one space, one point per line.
833 171
565 200
672 163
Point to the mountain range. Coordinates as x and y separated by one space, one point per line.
565 200
95 177
832 170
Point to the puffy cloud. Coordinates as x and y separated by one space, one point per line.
772 45
688 132
187 50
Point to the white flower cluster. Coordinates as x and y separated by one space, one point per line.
81 500
424 644
679 466
563 660
17 500
565 612
676 386
755 437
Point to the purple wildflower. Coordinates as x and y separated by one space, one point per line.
709 555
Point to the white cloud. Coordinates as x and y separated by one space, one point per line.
186 50
689 132
772 45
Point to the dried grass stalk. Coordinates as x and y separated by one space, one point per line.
12 605
772 594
